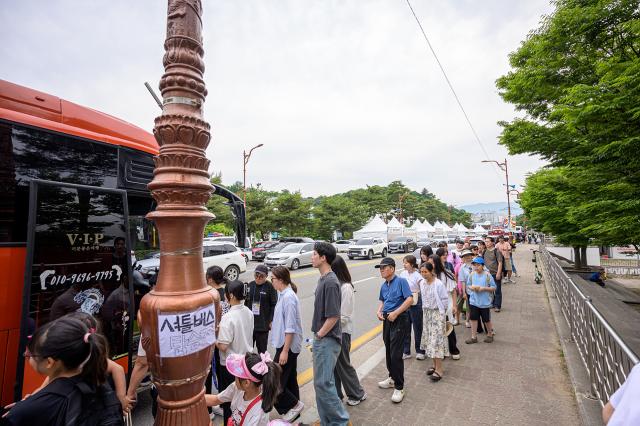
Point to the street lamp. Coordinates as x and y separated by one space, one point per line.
177 318
503 166
245 158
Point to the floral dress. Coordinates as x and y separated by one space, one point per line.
434 308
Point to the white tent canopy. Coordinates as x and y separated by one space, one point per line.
416 225
478 230
394 228
463 228
425 230
375 228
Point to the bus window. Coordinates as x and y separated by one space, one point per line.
80 260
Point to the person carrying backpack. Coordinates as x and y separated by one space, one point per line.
74 358
480 287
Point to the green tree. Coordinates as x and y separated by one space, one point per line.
292 214
548 200
337 213
260 214
577 79
217 206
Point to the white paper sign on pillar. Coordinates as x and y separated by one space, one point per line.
184 333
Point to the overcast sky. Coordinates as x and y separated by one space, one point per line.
341 93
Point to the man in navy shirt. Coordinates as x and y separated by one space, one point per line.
395 299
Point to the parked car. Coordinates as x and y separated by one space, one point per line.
292 256
402 244
368 247
342 246
259 256
221 253
263 245
425 242
296 240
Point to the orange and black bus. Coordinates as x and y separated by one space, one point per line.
73 202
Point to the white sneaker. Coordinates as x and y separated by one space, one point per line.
354 402
293 414
455 357
454 322
386 384
406 356
398 395
420 356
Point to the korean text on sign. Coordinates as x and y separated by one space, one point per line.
184 333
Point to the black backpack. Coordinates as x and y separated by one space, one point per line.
88 406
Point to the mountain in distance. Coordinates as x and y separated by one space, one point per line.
499 208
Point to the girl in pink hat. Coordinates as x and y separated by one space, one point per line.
254 391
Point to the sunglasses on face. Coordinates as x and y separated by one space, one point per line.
258 275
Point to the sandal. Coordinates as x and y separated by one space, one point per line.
435 377
431 371
471 340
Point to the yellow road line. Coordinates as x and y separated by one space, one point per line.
307 375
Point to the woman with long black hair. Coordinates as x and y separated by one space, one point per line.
344 373
448 279
286 337
74 359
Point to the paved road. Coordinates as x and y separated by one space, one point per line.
366 280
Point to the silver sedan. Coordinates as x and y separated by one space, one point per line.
292 256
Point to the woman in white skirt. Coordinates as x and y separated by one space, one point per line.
434 307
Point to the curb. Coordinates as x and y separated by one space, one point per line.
371 353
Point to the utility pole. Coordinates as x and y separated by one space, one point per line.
177 318
245 160
504 167
400 198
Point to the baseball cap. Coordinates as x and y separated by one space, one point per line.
262 269
478 260
387 261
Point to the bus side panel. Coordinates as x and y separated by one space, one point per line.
4 336
123 362
8 385
12 264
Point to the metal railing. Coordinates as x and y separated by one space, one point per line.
607 358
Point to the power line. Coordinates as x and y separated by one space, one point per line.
455 95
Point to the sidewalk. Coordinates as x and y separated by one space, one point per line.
521 378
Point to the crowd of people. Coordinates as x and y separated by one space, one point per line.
435 292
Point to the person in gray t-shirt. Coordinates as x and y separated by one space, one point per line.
327 304
327 337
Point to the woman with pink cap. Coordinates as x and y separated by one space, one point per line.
254 391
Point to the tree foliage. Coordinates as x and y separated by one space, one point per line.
292 214
576 78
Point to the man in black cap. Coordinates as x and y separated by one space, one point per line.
395 299
262 299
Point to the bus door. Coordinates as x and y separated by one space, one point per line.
78 260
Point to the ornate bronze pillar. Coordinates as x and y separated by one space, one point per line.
177 316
